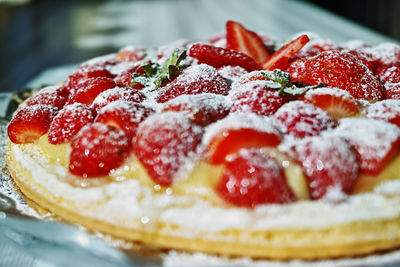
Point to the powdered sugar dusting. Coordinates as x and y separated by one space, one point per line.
373 139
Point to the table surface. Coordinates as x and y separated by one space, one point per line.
114 24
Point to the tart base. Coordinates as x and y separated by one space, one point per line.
339 240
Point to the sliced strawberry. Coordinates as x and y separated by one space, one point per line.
375 141
89 89
386 110
329 163
218 56
280 58
124 115
83 73
130 53
300 119
202 109
164 144
240 39
117 93
239 130
313 48
256 97
97 149
30 123
336 102
67 123
251 178
196 79
342 70
52 95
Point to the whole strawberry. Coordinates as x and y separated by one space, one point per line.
251 177
164 143
342 70
98 149
329 163
194 80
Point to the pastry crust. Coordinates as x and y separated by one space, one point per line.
169 220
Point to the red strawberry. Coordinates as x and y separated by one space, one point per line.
68 122
117 93
218 56
375 141
52 95
342 70
125 77
130 53
392 90
240 39
300 119
239 130
231 73
386 110
164 143
124 115
97 149
196 79
202 109
336 102
89 89
389 73
252 177
256 97
329 163
280 59
30 123
385 54
83 73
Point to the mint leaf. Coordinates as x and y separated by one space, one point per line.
155 74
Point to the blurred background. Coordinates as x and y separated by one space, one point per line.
37 35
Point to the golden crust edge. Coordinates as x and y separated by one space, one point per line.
346 240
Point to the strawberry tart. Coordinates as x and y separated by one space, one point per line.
237 146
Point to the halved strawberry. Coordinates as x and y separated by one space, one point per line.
89 89
52 95
164 144
218 57
98 149
256 97
251 177
329 163
117 93
30 123
375 141
124 115
386 110
341 70
300 119
196 79
240 39
239 130
202 109
68 122
336 102
280 58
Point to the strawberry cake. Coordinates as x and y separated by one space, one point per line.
236 146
